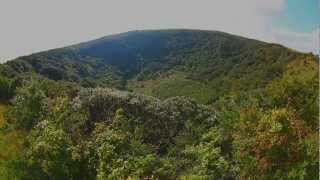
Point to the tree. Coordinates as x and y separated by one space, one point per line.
208 161
28 105
272 144
49 153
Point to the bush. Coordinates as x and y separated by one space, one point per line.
6 88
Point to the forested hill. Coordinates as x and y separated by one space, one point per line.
260 121
164 63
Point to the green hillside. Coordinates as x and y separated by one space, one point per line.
161 104
215 63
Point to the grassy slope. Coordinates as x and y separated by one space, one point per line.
175 84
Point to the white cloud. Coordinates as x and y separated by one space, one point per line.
307 42
35 25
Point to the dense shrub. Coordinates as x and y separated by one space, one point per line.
6 88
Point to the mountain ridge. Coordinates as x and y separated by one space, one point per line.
130 60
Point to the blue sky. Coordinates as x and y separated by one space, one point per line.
36 25
299 15
296 25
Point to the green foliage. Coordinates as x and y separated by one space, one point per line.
6 88
209 162
11 144
299 94
49 152
270 137
271 144
115 154
28 106
204 65
262 121
103 133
